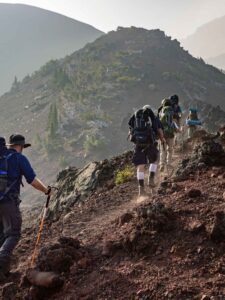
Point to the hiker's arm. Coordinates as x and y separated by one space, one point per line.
28 172
38 185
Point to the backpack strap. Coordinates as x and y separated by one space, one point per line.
14 182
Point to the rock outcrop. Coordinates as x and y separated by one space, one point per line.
76 184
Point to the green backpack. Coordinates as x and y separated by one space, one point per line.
166 118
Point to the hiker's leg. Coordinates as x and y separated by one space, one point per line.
140 160
12 223
162 156
177 135
153 158
170 145
191 131
2 236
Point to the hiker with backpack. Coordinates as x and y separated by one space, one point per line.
177 112
170 127
192 122
13 166
144 127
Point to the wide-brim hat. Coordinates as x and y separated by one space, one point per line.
18 139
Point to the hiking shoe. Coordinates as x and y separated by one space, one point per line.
151 182
161 169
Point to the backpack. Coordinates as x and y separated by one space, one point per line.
166 118
142 133
4 157
193 114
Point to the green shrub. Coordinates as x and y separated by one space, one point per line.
124 175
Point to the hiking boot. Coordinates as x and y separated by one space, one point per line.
141 191
151 182
5 265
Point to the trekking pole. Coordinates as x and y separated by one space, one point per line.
41 225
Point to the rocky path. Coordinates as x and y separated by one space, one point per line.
111 246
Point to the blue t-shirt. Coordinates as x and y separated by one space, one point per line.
18 166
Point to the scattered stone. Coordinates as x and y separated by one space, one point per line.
222 176
58 257
109 248
201 165
205 297
125 218
44 279
9 291
196 226
165 184
217 233
68 217
175 187
194 193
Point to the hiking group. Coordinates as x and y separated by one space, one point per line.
147 127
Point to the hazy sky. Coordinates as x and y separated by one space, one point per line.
178 18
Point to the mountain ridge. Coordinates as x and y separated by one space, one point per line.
21 53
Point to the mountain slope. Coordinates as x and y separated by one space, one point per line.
76 109
208 42
108 245
32 36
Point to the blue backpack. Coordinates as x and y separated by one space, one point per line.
4 157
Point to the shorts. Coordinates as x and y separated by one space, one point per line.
144 155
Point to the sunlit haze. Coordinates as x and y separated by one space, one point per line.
178 18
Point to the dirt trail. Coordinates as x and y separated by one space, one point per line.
90 220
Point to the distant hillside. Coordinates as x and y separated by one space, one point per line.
208 42
76 109
218 61
32 36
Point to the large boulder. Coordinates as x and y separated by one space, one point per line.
75 185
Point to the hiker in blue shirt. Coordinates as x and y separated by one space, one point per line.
18 166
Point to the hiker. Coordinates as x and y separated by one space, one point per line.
169 129
177 114
13 166
192 121
144 127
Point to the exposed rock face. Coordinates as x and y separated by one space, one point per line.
209 153
76 184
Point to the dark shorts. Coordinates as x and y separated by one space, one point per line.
144 155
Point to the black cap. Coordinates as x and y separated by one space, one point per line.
18 139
